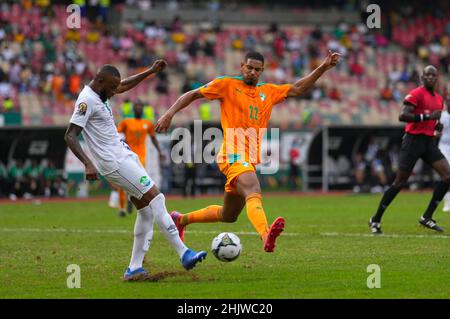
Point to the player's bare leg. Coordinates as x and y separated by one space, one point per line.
232 207
247 185
443 169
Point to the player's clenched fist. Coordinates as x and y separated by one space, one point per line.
331 60
158 66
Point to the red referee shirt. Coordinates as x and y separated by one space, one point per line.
425 103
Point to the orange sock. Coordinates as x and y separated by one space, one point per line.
210 214
122 199
255 213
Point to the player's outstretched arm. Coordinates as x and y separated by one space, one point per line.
305 83
131 81
71 138
407 114
187 98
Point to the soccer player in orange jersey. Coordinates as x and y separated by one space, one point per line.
135 131
245 104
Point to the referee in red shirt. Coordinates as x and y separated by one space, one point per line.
421 111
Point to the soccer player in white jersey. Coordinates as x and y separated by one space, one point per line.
444 143
112 158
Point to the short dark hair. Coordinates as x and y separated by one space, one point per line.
254 56
110 70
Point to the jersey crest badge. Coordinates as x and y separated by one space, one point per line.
82 108
262 96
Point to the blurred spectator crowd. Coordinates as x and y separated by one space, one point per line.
44 64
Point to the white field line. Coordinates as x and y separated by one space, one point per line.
384 235
122 231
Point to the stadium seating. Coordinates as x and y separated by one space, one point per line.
360 102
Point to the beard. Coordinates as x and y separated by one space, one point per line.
430 86
103 96
250 82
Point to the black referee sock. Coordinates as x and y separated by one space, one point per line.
388 196
438 195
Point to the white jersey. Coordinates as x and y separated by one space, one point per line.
99 131
445 121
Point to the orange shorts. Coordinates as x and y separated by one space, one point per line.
232 171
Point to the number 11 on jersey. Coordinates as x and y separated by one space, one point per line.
253 116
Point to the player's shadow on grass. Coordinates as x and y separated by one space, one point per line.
166 274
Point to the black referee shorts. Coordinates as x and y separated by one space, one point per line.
418 146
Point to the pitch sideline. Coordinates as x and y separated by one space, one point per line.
243 233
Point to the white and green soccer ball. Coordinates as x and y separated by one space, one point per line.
226 247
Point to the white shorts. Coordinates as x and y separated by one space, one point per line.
131 176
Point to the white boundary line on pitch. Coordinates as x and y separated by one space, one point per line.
384 235
122 231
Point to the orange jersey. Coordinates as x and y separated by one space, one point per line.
136 131
245 111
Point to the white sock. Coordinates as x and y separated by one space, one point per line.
166 224
143 233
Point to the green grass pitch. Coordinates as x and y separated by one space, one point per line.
323 253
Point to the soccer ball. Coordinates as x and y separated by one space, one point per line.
226 247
